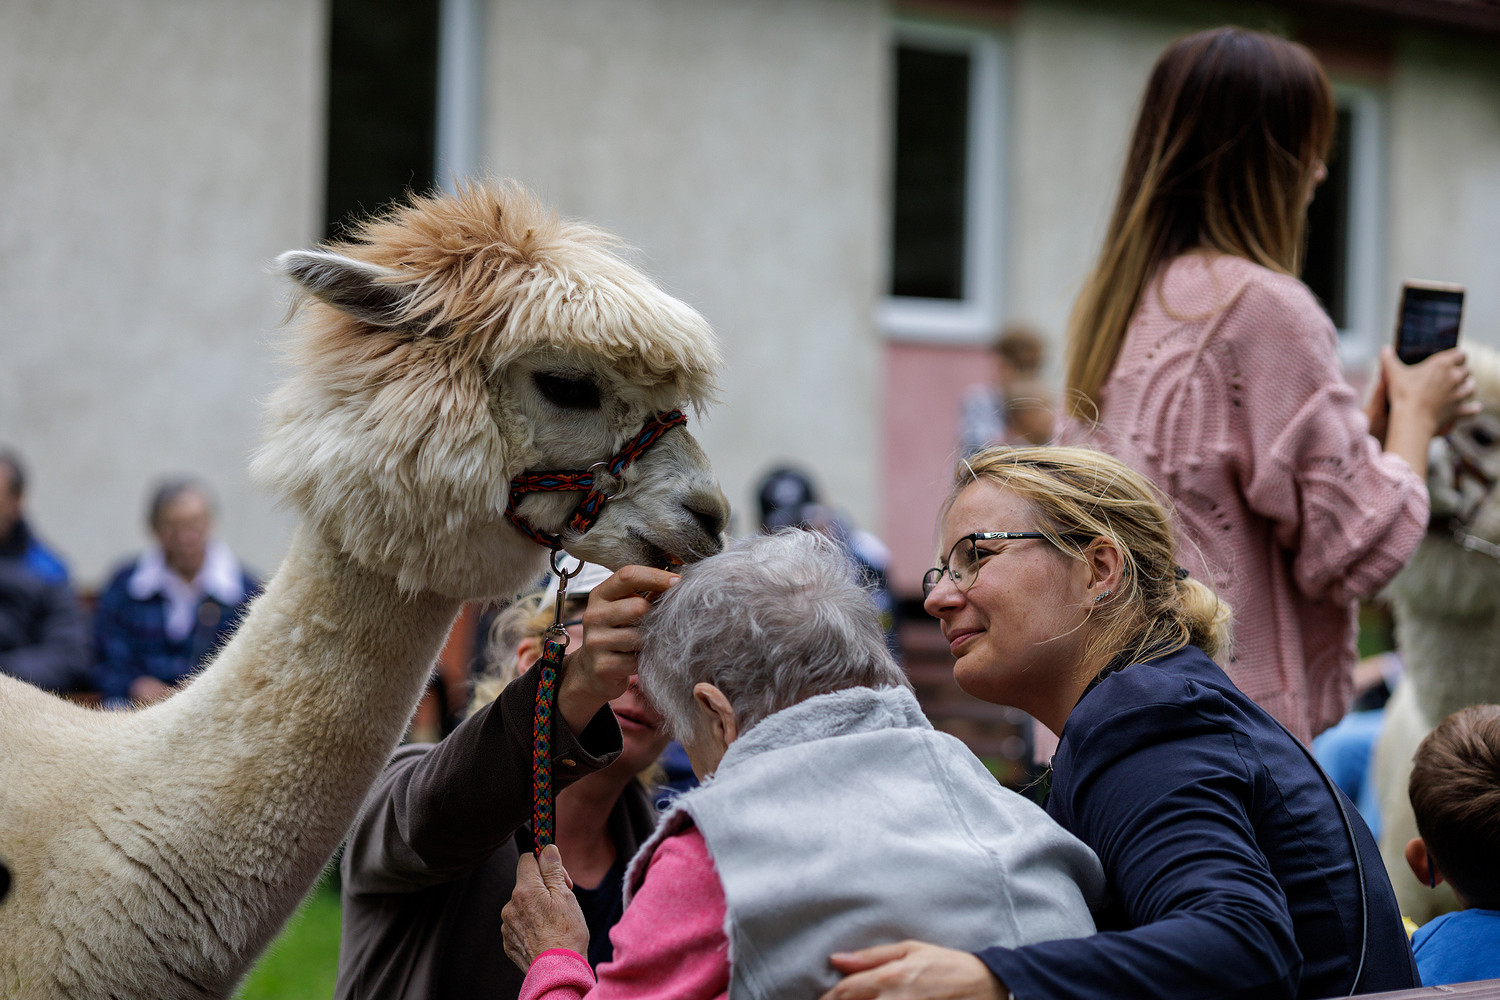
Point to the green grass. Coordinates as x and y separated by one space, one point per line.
303 961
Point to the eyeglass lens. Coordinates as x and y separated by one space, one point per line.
962 561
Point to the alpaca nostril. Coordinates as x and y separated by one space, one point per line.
710 512
4 882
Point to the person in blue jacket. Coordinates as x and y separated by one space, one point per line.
43 639
166 612
1235 866
1455 797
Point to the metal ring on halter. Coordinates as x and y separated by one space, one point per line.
618 478
557 630
563 575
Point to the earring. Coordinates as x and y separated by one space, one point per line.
1102 596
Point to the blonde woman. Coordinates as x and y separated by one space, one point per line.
1211 368
1235 868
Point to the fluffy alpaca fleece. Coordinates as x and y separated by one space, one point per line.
451 346
1446 603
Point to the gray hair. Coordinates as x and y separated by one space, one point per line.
169 491
770 622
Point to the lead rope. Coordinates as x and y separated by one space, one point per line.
555 643
543 802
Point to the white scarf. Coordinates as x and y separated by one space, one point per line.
220 577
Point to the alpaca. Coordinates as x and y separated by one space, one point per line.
450 346
1446 604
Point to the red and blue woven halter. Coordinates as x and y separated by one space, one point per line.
543 808
585 481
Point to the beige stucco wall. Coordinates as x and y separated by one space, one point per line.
1076 78
1444 189
159 152
156 156
1077 71
741 144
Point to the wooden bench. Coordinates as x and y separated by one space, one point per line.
1484 989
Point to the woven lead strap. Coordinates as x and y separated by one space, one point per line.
543 807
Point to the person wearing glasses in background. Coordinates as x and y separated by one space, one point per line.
1235 868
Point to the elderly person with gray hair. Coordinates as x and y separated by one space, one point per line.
831 815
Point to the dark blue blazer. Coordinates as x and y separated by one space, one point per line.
1232 870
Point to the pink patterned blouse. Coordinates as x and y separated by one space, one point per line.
1228 394
669 945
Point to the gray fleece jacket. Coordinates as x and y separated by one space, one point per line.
847 821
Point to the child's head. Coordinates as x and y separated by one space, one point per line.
1020 351
1455 794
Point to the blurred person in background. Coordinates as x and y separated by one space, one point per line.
789 500
1015 407
43 639
166 612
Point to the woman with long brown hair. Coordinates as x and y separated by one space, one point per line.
1196 355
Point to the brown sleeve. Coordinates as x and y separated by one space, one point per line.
439 809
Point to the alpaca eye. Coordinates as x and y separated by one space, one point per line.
1482 437
566 391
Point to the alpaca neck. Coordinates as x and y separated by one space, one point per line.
1450 663
1446 603
297 715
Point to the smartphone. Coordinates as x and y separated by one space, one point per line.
1428 319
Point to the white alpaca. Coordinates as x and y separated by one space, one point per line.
451 346
1446 603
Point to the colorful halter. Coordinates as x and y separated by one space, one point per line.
543 809
587 481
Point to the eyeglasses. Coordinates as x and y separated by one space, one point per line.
962 564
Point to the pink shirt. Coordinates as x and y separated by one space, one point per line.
669 945
1228 394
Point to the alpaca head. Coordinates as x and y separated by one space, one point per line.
1464 467
460 341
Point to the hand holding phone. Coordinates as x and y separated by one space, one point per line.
1428 394
1428 319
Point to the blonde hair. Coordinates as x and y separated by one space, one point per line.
1077 494
530 617
1231 129
527 617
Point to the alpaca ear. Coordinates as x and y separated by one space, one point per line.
364 291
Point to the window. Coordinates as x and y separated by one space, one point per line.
1326 269
1343 259
931 173
382 105
945 219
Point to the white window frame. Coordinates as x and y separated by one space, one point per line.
460 91
975 317
1368 320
